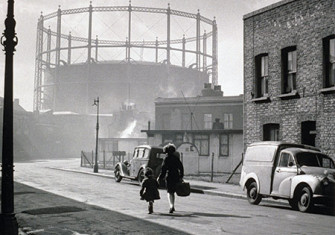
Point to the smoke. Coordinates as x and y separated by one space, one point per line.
129 130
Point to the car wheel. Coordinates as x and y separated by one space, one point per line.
293 203
305 200
252 194
140 177
117 174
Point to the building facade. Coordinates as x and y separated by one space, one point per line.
207 129
205 112
289 73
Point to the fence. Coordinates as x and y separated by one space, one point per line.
106 161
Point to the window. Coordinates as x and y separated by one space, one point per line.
289 69
166 121
329 61
146 153
208 121
177 139
285 159
224 145
167 138
202 143
185 121
140 153
228 121
271 132
262 74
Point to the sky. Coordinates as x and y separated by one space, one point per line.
228 14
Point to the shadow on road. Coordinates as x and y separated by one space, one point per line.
318 209
200 214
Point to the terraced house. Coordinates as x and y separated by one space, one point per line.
289 73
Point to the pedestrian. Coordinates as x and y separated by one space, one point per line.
149 190
172 171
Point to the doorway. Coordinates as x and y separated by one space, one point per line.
308 132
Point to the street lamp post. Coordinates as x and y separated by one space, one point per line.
96 167
8 223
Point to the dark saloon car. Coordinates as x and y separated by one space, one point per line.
143 156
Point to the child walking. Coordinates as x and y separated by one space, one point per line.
149 190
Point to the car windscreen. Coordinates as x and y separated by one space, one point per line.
314 160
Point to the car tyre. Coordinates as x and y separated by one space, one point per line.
305 200
252 194
293 203
117 174
140 176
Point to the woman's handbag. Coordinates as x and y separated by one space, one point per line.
183 188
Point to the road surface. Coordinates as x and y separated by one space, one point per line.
196 214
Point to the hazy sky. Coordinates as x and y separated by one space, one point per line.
228 13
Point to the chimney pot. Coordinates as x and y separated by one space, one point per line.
208 85
217 87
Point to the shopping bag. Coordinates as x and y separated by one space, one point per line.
183 189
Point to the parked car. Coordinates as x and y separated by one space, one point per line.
143 156
299 173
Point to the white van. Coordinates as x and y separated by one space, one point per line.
299 173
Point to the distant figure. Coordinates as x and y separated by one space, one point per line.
217 125
149 190
172 171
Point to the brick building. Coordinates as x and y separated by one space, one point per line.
289 73
206 129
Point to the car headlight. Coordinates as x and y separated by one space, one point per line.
325 181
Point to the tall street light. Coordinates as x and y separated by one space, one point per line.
96 167
8 223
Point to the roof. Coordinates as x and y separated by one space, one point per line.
215 131
16 106
267 8
278 143
200 99
295 150
122 138
148 146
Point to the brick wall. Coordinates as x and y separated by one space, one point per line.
300 23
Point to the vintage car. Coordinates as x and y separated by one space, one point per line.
143 156
299 173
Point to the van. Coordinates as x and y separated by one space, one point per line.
299 173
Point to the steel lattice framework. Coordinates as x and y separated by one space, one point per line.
44 52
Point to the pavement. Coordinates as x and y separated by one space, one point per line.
197 186
42 213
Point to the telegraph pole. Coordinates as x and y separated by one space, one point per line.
8 223
96 167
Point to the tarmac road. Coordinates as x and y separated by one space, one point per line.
196 214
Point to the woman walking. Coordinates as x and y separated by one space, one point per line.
172 171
